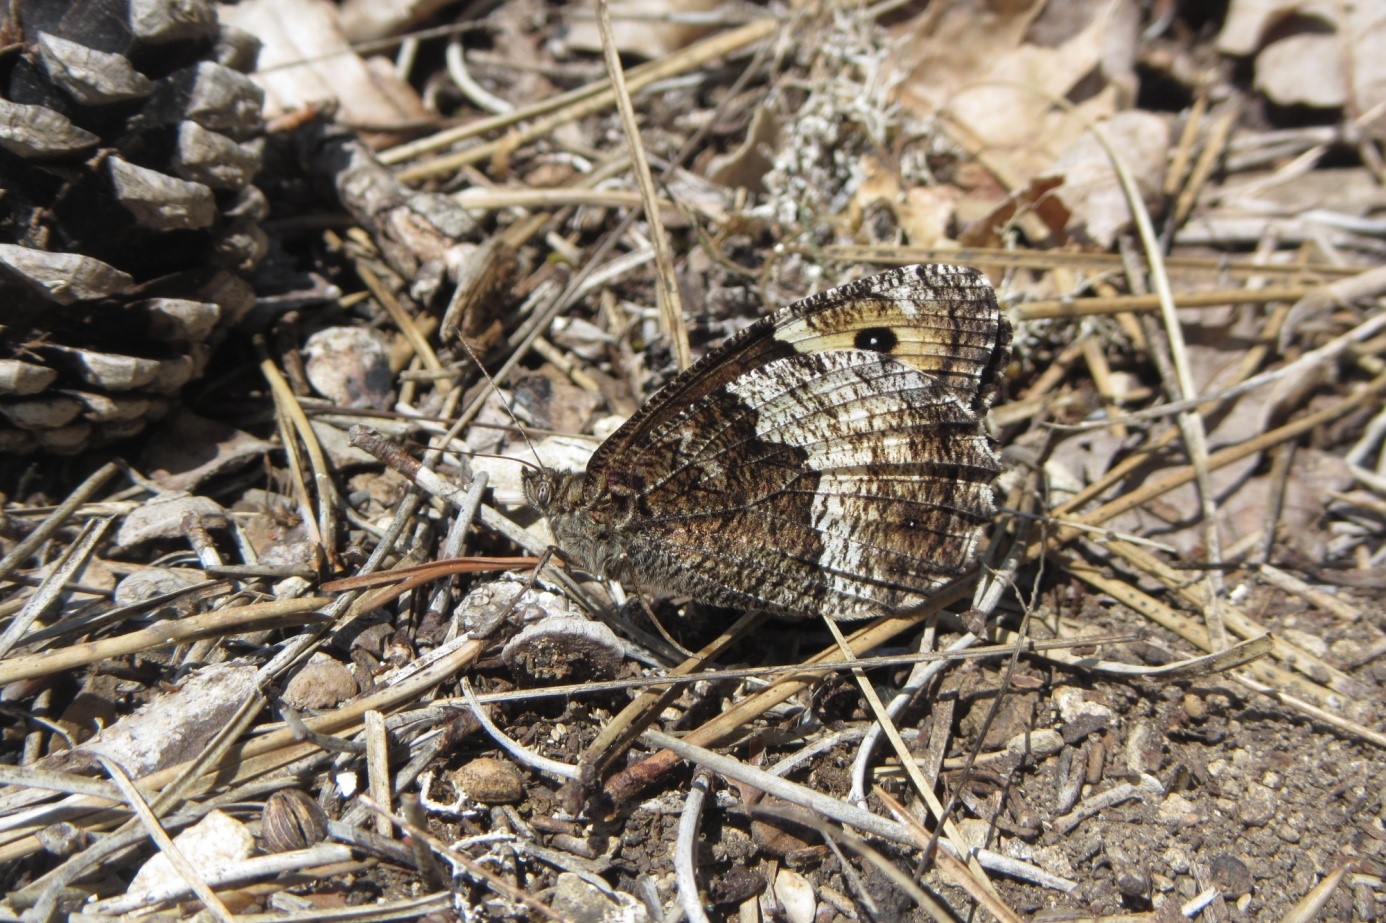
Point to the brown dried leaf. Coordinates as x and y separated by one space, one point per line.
307 61
1090 187
1005 106
1304 65
637 27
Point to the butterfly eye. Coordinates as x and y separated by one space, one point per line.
876 339
537 487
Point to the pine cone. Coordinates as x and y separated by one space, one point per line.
129 137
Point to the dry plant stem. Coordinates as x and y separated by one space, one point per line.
616 736
1310 594
1047 260
1142 304
666 289
272 866
919 677
30 543
473 91
1101 374
473 869
455 543
378 766
896 876
280 613
287 404
1190 424
52 780
1054 372
425 861
1208 158
685 850
1109 798
907 762
401 319
1328 718
1240 624
626 784
73 559
1311 906
293 460
510 745
835 809
1282 461
1267 676
502 199
1152 489
165 843
1188 137
979 890
266 754
571 106
1238 655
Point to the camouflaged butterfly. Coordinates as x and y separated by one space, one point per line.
829 459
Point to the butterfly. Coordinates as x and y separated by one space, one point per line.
830 458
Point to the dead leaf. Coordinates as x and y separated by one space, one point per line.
306 61
1336 61
1090 187
640 27
1006 108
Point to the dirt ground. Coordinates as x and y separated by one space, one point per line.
1174 707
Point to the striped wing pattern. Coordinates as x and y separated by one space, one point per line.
831 458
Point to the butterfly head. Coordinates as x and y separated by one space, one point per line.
551 492
540 486
579 533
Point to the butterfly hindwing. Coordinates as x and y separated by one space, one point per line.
830 458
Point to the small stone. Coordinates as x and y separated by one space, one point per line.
1179 811
322 683
1230 875
581 902
63 839
796 896
1257 806
1133 883
1074 704
216 840
488 780
736 885
1195 707
1144 748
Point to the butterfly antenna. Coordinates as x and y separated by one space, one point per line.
508 411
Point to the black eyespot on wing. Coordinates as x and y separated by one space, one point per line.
876 339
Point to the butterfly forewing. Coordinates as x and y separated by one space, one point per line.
830 458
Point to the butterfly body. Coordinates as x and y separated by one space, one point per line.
830 458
